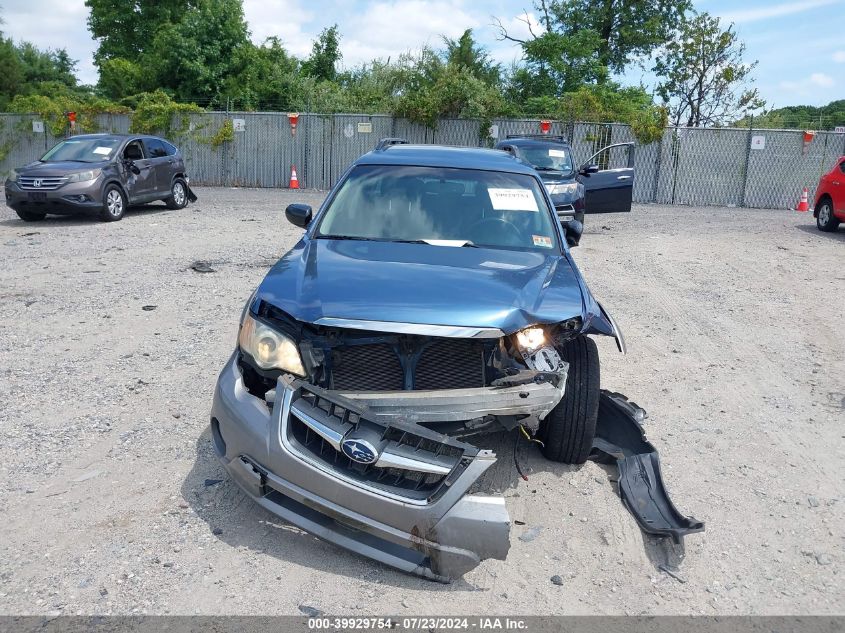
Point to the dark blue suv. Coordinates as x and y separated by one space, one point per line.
431 299
596 186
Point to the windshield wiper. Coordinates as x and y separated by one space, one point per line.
343 237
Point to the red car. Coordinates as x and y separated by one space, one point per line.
829 209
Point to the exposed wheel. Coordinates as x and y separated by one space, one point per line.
178 195
114 204
569 428
29 216
825 219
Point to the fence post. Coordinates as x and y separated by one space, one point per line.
656 183
747 160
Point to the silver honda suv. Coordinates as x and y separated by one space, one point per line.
100 173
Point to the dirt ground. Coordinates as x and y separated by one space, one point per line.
109 495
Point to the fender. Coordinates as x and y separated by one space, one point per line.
605 325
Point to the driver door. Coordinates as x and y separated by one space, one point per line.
610 189
141 186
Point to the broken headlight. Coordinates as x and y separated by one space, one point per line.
530 339
269 348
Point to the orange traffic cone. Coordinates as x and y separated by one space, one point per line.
803 205
294 181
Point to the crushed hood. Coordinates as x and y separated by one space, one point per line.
421 283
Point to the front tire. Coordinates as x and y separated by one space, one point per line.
178 195
570 427
825 219
114 204
28 216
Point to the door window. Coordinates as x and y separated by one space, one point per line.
133 151
170 149
155 147
842 166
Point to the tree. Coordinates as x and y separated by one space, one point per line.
466 53
583 41
703 79
325 55
126 29
198 56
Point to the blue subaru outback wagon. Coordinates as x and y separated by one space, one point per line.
432 298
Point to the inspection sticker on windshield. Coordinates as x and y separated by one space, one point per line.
557 153
513 200
102 150
542 240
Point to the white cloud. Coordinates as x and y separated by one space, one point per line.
283 19
393 27
839 57
820 79
53 24
773 11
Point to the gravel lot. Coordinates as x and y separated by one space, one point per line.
110 345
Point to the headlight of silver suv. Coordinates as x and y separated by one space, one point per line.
269 348
561 189
84 176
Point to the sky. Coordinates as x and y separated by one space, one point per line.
799 44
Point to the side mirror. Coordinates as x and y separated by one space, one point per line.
131 166
572 229
586 170
298 214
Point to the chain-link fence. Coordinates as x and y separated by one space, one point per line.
695 166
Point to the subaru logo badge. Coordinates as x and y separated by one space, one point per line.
360 451
36 182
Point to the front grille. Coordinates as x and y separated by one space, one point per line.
433 363
402 482
367 368
41 184
450 364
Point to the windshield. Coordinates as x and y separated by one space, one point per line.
547 157
451 207
85 150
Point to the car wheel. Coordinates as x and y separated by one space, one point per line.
114 204
178 195
28 216
825 219
568 430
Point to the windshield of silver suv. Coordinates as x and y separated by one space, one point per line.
547 157
441 206
86 150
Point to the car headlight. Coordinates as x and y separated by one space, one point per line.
530 339
269 348
83 176
13 175
560 189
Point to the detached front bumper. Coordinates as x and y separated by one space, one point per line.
409 509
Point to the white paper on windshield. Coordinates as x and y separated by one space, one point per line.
103 150
513 200
557 153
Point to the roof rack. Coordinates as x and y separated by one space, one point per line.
384 143
555 137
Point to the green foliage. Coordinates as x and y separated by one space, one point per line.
155 112
53 110
325 55
704 80
801 117
225 134
120 77
613 103
466 53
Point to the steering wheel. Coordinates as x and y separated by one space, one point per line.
506 233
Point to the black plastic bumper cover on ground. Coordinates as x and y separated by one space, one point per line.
620 437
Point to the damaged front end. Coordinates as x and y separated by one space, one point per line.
369 448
